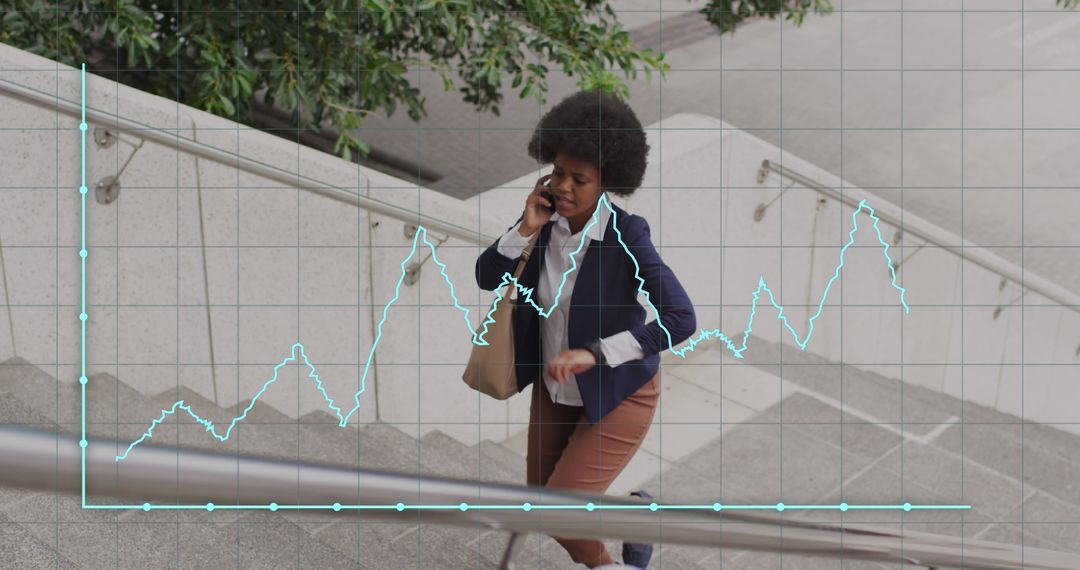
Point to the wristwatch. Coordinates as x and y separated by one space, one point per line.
594 346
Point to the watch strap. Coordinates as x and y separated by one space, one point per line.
594 346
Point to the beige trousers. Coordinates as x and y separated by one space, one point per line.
566 452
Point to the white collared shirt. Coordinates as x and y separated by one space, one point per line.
618 348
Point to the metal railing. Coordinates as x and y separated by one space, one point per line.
243 163
916 226
51 462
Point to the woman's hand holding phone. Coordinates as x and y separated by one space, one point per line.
539 207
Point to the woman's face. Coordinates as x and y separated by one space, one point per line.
576 186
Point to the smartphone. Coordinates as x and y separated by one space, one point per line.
546 193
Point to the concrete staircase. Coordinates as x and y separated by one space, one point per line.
822 452
841 434
50 530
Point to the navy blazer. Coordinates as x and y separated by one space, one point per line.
603 302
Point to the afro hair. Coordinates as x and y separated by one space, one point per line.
597 127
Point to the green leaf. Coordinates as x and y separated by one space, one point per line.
245 83
226 104
454 31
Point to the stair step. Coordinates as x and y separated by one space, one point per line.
444 456
113 408
20 548
29 396
369 446
269 433
503 465
256 539
381 544
500 464
374 446
272 541
383 446
377 543
537 551
14 411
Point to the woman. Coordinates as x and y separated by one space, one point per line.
593 361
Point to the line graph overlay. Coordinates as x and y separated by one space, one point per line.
477 337
526 295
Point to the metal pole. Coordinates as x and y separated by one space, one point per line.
189 146
164 475
923 229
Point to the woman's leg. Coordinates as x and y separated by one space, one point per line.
550 427
596 454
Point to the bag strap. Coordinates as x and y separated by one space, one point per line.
525 254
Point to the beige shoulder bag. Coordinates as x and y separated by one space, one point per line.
491 367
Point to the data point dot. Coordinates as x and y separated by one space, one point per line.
82 316
209 506
526 507
273 506
82 253
779 506
401 506
843 506
82 189
337 506
82 380
654 507
907 506
717 506
589 506
82 126
82 443
464 506
146 506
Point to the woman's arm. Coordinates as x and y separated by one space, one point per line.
665 292
493 263
501 257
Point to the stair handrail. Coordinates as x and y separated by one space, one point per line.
158 475
251 166
925 230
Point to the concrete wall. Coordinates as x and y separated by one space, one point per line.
284 266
